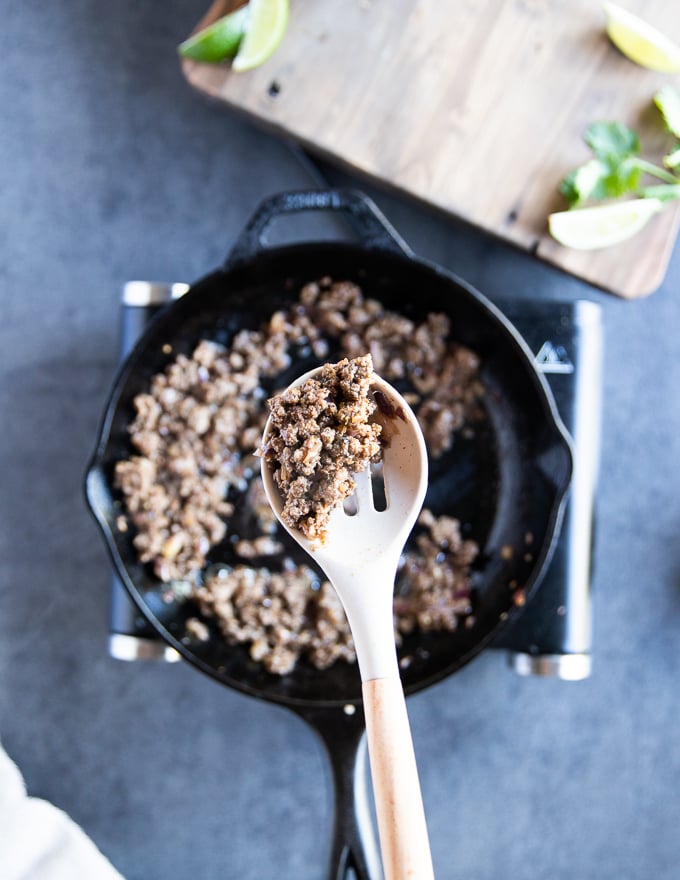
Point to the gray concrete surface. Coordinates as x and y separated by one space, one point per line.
113 169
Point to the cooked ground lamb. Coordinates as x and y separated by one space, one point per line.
283 615
293 613
319 436
196 431
434 588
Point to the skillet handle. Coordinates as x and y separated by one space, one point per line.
372 227
354 844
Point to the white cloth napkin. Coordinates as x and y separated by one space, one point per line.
40 842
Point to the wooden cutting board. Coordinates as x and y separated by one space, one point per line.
476 107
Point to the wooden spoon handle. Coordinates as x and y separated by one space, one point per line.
402 829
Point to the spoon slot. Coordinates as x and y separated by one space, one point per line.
370 491
379 491
363 494
350 506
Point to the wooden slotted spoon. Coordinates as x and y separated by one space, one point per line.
360 558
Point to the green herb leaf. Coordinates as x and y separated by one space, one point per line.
623 178
580 184
667 99
599 179
617 168
612 141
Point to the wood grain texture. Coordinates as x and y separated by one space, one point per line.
402 828
476 108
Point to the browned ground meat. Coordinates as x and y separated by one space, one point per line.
436 577
195 434
444 374
319 436
293 613
282 615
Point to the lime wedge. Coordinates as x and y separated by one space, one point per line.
639 41
603 225
266 26
219 40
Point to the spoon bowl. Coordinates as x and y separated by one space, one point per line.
360 556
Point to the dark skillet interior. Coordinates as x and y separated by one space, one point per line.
506 483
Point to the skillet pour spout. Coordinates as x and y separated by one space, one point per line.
505 484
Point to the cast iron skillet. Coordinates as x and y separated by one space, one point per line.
506 485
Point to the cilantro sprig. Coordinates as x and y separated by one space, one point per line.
618 169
